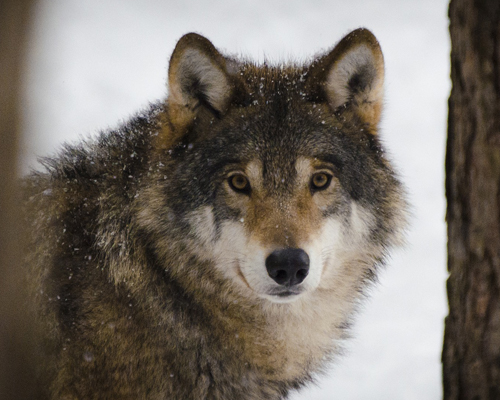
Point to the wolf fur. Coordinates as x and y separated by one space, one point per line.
153 245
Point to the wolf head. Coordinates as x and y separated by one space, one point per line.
274 175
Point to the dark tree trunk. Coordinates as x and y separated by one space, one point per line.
16 361
471 354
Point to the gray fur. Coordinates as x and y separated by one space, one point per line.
131 302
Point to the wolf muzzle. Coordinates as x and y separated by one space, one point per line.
288 267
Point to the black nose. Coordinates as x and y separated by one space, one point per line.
288 267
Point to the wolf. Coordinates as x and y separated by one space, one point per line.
218 244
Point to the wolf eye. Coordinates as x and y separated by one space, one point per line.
239 183
320 181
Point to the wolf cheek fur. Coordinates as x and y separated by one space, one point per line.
216 246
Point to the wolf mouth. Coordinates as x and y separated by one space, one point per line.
242 276
286 293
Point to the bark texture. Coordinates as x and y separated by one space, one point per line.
16 361
471 354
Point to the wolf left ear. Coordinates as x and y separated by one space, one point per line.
198 77
351 77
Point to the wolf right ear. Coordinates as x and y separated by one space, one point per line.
351 77
198 76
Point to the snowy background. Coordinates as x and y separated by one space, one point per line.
93 63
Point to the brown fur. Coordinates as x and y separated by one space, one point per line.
138 241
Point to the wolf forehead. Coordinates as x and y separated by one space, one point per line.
277 144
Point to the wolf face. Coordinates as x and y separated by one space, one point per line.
277 172
277 234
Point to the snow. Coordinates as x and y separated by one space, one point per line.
94 63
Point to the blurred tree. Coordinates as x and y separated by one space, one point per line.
16 361
471 354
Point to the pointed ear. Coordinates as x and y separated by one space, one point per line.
198 77
351 76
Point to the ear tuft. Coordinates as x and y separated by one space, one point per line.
352 76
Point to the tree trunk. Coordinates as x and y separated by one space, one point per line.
16 361
471 354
